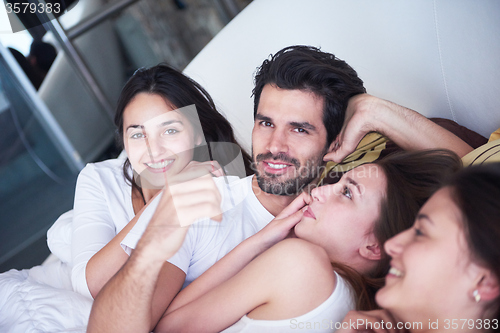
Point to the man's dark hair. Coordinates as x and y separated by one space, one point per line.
307 68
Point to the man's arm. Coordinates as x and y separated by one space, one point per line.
131 300
407 128
125 303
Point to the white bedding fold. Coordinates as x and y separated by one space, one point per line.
41 300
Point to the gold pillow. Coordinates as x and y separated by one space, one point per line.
489 152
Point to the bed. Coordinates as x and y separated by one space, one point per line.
437 57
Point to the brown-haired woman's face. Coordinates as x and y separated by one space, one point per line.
432 275
341 216
159 140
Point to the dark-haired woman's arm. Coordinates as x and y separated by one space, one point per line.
276 285
233 262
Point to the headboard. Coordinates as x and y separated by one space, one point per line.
440 58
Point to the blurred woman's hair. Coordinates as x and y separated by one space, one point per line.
476 192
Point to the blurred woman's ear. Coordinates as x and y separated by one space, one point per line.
487 288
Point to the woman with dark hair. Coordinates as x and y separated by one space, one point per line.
167 123
445 270
269 285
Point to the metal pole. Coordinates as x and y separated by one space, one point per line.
76 60
91 22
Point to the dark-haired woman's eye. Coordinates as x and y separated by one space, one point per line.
171 131
137 136
347 192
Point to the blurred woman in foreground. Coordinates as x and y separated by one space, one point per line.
445 270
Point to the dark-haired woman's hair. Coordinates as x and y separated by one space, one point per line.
412 178
179 91
308 68
476 191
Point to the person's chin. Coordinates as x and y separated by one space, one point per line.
384 297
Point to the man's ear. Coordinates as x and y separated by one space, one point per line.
488 287
370 251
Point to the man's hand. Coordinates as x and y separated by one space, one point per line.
370 321
187 197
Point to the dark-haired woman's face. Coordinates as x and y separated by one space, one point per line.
159 140
341 216
432 275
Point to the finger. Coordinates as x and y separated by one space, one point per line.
291 221
211 166
294 206
196 200
217 170
348 143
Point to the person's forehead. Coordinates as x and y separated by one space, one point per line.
370 176
291 105
441 208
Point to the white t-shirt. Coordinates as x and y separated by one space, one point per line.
208 241
103 207
322 319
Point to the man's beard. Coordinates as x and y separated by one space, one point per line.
304 175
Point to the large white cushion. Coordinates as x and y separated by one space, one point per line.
437 57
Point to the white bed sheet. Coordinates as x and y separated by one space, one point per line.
41 299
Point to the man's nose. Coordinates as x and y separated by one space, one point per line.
278 143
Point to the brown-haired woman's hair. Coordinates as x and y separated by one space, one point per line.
476 192
412 178
179 91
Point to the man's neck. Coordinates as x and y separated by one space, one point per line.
272 202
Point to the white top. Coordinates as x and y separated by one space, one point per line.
208 241
321 319
103 207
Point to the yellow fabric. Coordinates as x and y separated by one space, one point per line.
372 144
489 152
368 150
495 135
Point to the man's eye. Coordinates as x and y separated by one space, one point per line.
301 130
171 131
347 192
137 136
266 123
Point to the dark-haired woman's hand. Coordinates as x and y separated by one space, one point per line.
212 167
282 225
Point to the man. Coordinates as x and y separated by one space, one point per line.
301 95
